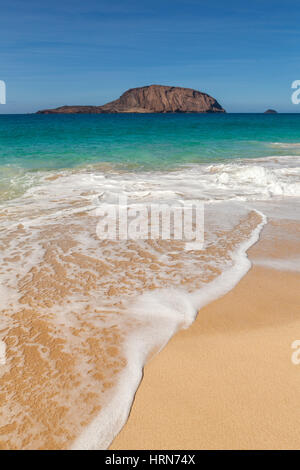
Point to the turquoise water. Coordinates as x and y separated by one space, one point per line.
49 142
29 143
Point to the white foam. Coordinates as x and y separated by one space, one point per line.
245 180
286 144
162 311
286 264
2 353
166 311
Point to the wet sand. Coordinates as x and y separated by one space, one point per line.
228 381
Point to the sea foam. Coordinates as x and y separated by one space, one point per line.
161 287
164 312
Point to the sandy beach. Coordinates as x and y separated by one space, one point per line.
149 226
227 382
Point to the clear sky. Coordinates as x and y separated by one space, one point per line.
245 53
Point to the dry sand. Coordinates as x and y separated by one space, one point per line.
228 381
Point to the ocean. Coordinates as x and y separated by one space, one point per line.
52 142
82 315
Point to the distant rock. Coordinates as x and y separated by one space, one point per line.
270 111
150 99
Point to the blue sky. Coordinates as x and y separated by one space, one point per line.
245 53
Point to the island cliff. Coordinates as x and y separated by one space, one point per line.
150 99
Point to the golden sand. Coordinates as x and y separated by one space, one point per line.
58 366
61 362
228 382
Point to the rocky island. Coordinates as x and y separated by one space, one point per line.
270 111
150 99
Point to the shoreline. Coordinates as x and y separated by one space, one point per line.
238 387
177 312
82 344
